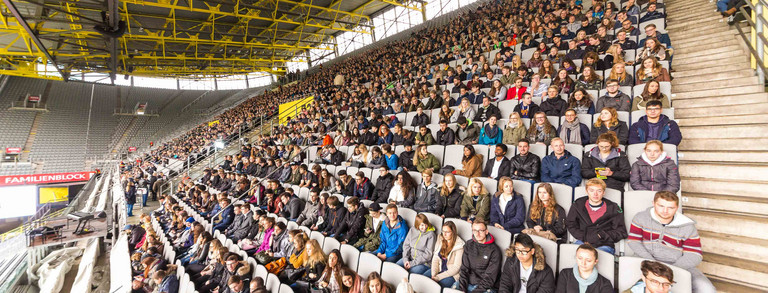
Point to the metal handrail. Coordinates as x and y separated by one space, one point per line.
753 49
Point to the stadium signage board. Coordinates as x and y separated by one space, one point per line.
45 178
13 151
33 99
131 149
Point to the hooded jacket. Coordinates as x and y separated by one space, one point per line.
392 237
453 260
364 190
565 170
418 246
676 243
605 231
513 218
541 280
472 167
617 161
352 227
426 198
381 191
480 265
469 134
669 132
503 169
659 175
449 206
472 210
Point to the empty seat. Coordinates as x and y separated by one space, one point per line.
393 273
368 263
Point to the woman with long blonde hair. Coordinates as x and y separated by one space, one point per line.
546 218
609 121
476 204
619 72
515 130
314 264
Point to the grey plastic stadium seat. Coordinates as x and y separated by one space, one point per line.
524 188
285 288
350 255
393 273
272 283
317 236
437 151
330 244
538 149
408 215
421 283
453 154
367 264
575 149
550 250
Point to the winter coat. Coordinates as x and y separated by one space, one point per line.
352 227
659 175
556 226
668 133
541 280
406 160
370 240
472 167
426 198
514 135
616 160
513 218
449 205
484 113
567 283
335 218
480 265
309 214
528 167
429 162
383 186
470 134
469 114
621 102
676 243
446 137
605 231
485 137
242 270
420 120
621 130
472 210
364 190
130 196
392 237
426 139
453 260
554 107
293 209
565 170
418 246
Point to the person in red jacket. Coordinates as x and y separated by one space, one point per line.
516 92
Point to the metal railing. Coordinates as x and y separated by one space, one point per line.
755 36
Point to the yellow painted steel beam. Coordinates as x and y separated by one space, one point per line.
414 7
328 9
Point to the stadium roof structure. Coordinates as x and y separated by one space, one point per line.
54 39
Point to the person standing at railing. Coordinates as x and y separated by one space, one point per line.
130 197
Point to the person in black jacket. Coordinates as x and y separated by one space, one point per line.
586 271
499 165
130 198
351 229
449 201
336 156
336 215
383 185
481 261
292 206
363 186
554 105
607 162
526 266
545 217
406 157
446 135
347 184
486 110
368 137
401 136
525 165
421 118
608 226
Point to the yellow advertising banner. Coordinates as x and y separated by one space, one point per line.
290 109
212 123
53 194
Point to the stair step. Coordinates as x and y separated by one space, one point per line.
697 22
715 84
731 69
726 171
735 246
724 156
750 89
741 61
679 32
729 223
694 15
722 111
730 187
709 57
727 203
701 40
697 51
730 131
736 74
728 121
684 104
722 144
747 272
693 27
680 10
728 286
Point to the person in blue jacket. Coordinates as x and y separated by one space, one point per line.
392 236
560 166
508 208
654 126
390 157
226 217
491 134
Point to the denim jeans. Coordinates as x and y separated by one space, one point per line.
606 248
471 287
448 282
130 209
144 199
722 5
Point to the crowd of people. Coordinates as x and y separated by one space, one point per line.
446 69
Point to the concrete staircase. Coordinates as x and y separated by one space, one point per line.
31 137
721 106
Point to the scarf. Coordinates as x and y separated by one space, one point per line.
584 283
541 136
491 131
575 129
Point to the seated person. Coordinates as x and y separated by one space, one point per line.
527 108
546 218
657 278
606 161
654 170
596 220
684 251
446 259
471 163
403 191
526 266
363 186
392 236
651 92
491 133
572 130
554 105
609 121
655 126
451 195
481 262
468 132
446 135
499 165
424 160
351 228
508 208
292 206
418 246
226 215
335 216
424 136
525 165
560 166
541 131
614 98
421 118
425 200
465 110
486 111
476 203
369 240
584 274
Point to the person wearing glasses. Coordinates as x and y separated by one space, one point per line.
655 126
614 98
526 267
662 234
607 161
584 276
481 262
657 278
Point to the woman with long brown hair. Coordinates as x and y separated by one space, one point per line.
375 284
651 92
545 217
331 277
541 131
446 260
589 80
563 81
609 121
651 69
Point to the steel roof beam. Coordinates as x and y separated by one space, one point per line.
33 36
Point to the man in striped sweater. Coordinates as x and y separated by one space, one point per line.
661 234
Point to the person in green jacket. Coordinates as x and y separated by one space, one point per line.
423 160
370 240
476 204
424 136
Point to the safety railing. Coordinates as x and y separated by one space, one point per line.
754 36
